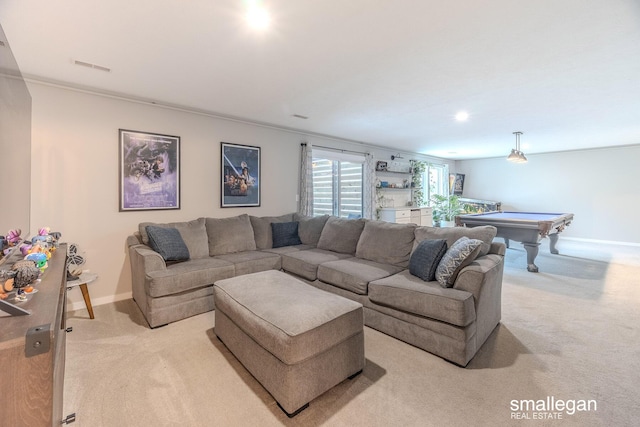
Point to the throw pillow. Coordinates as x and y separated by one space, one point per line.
168 243
486 233
285 234
458 256
193 233
426 258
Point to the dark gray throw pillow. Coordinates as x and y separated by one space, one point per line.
426 257
285 234
168 243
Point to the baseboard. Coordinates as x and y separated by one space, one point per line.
607 242
79 304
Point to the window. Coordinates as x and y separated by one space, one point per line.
438 180
437 176
337 184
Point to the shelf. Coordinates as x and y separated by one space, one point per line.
395 172
398 188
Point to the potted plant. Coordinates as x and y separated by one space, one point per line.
418 168
445 209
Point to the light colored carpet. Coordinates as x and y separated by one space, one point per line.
570 332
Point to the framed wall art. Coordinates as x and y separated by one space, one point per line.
456 184
149 171
240 175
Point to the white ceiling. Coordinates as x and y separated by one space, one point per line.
389 73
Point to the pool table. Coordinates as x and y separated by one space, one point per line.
525 227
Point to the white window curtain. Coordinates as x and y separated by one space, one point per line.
368 187
306 180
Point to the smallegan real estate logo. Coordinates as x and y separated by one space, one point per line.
549 408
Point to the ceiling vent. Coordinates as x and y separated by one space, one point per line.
300 116
90 65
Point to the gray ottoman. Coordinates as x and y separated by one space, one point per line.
296 340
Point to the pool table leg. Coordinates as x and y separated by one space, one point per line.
532 252
506 242
553 239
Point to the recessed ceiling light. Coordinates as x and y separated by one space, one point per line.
462 116
257 16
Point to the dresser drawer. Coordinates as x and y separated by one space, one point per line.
403 214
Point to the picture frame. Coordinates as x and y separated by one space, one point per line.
240 175
381 166
458 184
149 171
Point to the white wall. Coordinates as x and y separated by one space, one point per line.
599 186
75 173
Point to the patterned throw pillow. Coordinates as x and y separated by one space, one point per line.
458 256
285 234
168 243
426 257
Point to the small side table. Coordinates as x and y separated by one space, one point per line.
83 280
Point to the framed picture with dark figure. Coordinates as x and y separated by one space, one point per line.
458 185
240 175
149 171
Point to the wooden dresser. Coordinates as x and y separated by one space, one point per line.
405 215
32 351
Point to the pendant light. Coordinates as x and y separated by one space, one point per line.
516 155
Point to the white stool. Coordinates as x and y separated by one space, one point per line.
83 281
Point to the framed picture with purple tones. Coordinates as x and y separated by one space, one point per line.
149 171
240 175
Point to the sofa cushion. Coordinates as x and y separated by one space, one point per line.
425 259
486 233
354 274
168 243
252 261
187 275
193 233
405 292
305 263
310 227
288 249
285 234
458 256
229 235
386 242
341 235
262 228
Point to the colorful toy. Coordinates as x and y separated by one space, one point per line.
39 258
13 236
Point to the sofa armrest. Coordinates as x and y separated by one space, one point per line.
143 261
134 239
483 271
483 278
146 259
498 248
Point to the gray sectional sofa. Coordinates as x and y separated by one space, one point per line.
363 260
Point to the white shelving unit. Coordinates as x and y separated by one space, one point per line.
408 215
